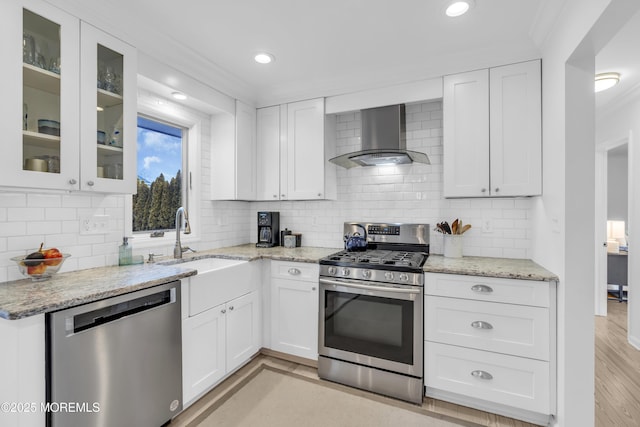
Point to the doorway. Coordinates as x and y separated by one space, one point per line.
612 222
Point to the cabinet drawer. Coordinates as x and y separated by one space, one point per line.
507 380
513 291
295 270
504 328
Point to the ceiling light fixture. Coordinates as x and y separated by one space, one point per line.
264 58
459 7
179 95
99 108
605 81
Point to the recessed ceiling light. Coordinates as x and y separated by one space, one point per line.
459 7
179 95
263 58
605 81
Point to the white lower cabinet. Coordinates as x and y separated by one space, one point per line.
490 343
294 308
221 325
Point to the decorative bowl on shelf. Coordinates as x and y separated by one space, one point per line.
39 269
49 127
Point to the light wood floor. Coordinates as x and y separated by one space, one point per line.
617 386
617 381
455 411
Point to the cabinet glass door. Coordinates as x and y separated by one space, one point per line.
108 110
109 114
40 108
40 94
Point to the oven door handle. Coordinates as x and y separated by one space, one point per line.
370 287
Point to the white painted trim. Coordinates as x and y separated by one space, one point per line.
420 91
635 342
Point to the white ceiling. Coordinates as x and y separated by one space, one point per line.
330 47
620 55
321 47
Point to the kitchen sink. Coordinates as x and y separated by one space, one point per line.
204 265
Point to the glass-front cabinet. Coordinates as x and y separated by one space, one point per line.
59 131
108 100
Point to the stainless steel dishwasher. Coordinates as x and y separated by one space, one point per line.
117 361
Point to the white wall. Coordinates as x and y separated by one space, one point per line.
406 193
617 185
561 243
619 124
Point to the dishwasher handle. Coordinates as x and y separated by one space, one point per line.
104 315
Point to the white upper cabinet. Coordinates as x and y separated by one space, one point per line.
108 112
466 134
268 153
39 82
50 120
492 132
304 139
515 96
233 154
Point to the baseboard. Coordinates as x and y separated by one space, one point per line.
289 357
635 342
494 408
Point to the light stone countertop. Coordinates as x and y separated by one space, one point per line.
508 268
24 298
249 252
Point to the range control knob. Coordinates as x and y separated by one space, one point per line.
388 275
345 272
332 271
366 274
404 277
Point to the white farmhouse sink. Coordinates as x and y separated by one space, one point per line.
209 264
218 280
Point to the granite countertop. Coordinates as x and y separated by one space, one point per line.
508 268
249 252
24 298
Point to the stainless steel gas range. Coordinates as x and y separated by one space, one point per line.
371 310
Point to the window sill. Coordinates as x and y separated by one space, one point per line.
143 241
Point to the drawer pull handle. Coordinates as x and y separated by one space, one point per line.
483 375
294 271
479 324
481 288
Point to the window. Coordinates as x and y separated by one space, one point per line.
161 168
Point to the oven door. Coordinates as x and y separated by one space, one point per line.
372 324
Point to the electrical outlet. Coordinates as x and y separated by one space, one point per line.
487 225
97 224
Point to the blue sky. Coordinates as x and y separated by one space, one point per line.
158 152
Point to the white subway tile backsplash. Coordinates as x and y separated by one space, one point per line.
25 214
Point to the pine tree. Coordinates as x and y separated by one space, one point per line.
155 218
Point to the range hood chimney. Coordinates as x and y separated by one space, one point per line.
384 140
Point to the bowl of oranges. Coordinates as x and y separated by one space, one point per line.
41 264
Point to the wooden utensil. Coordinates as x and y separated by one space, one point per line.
454 226
465 228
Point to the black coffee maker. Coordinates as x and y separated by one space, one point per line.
268 229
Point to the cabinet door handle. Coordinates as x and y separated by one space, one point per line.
484 190
484 375
479 324
72 181
313 289
294 271
497 189
319 194
231 308
223 311
482 288
90 183
275 196
282 195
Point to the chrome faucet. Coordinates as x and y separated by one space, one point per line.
178 249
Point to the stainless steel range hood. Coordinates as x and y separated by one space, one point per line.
384 140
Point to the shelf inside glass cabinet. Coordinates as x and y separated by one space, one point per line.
41 79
